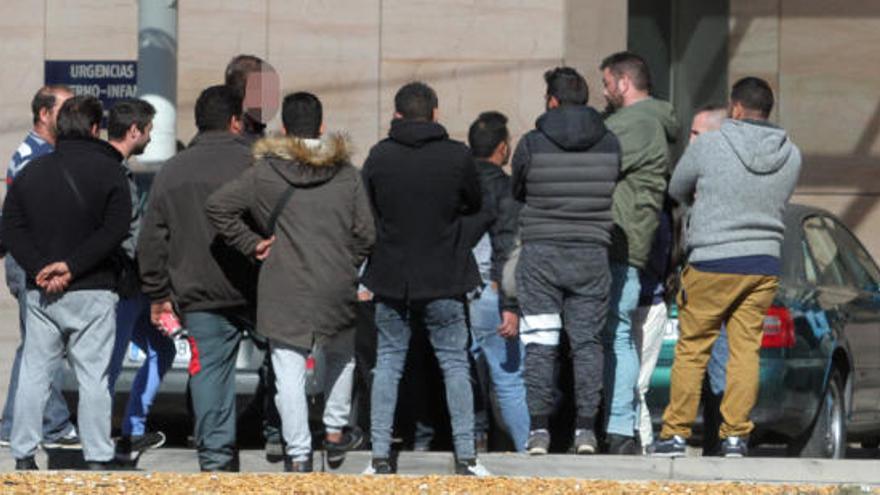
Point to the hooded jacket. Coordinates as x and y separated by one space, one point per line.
421 184
737 181
179 253
564 171
645 130
307 287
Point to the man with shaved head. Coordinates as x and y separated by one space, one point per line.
707 118
650 320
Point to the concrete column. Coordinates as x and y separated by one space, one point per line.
157 73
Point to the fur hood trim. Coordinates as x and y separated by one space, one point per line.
330 150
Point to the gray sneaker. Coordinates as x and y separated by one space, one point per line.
735 447
538 442
68 441
585 442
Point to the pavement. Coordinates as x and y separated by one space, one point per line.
752 470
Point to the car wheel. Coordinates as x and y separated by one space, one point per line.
826 437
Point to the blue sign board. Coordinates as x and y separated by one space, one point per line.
107 80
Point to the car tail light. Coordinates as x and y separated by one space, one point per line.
778 329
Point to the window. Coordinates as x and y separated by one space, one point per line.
862 270
809 266
826 267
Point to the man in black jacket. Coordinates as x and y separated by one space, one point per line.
493 315
64 218
564 170
182 259
421 184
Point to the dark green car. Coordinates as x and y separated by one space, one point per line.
820 358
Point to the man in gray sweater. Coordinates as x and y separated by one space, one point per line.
737 182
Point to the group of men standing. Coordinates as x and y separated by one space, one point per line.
246 233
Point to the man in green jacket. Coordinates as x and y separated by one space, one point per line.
645 127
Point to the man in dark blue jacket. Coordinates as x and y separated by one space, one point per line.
421 184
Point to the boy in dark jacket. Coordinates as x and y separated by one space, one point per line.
493 316
421 185
564 171
323 230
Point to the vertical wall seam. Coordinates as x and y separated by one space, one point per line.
45 34
564 30
379 59
779 62
266 28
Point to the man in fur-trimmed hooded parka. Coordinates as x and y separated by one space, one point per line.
316 229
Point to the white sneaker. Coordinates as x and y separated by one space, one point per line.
471 467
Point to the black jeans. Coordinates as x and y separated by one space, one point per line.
563 288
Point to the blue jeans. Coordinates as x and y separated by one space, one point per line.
133 326
717 367
447 330
621 354
56 417
504 358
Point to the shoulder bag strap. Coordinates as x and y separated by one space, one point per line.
282 202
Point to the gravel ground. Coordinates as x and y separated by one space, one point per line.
191 484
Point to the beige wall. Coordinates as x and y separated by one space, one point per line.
354 54
821 59
481 55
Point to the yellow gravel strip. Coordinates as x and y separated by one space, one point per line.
193 484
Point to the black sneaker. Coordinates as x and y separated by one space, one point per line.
297 466
274 451
734 447
471 467
584 441
351 440
538 442
106 466
130 448
381 466
70 441
147 441
674 446
26 464
621 445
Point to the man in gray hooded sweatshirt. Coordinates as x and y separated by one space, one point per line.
737 182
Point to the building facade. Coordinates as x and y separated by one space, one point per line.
491 54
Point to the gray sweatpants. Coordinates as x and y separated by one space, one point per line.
290 381
81 323
563 288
